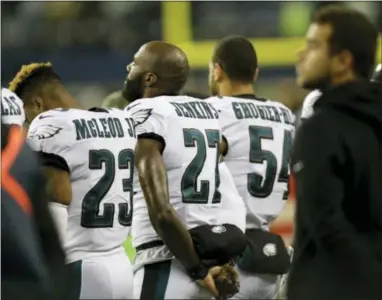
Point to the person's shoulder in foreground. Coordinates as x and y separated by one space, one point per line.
33 260
341 106
358 100
52 130
345 131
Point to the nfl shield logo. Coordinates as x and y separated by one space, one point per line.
218 229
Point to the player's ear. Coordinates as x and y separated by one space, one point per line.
256 75
150 79
218 72
38 103
341 61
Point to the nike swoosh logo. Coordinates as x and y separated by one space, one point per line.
43 117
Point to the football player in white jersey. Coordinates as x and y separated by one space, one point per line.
179 202
12 110
257 139
88 158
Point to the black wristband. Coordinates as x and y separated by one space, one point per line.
198 273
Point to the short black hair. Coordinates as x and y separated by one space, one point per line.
237 57
32 77
351 31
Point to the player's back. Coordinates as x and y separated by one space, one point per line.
189 129
259 136
12 111
97 148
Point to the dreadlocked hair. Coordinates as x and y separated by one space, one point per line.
31 77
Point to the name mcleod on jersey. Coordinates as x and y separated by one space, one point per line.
245 110
195 110
102 128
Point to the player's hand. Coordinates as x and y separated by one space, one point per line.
222 281
209 282
227 281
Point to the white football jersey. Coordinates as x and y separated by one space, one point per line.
189 128
259 136
309 101
97 148
12 108
233 210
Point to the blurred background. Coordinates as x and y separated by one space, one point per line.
90 43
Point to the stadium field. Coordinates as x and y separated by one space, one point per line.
129 249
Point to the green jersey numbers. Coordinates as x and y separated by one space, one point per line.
201 141
126 162
104 159
262 186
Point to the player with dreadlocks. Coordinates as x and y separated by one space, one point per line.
88 158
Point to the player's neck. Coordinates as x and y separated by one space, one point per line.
157 92
233 89
343 78
71 103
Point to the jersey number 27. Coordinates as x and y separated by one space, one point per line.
90 217
197 139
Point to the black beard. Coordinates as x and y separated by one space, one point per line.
133 89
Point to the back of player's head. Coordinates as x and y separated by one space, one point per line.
171 65
41 89
350 31
32 78
237 57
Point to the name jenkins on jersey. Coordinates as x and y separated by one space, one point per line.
97 149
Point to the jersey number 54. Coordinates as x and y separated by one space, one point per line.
259 186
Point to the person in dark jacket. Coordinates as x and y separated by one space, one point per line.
337 163
33 262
